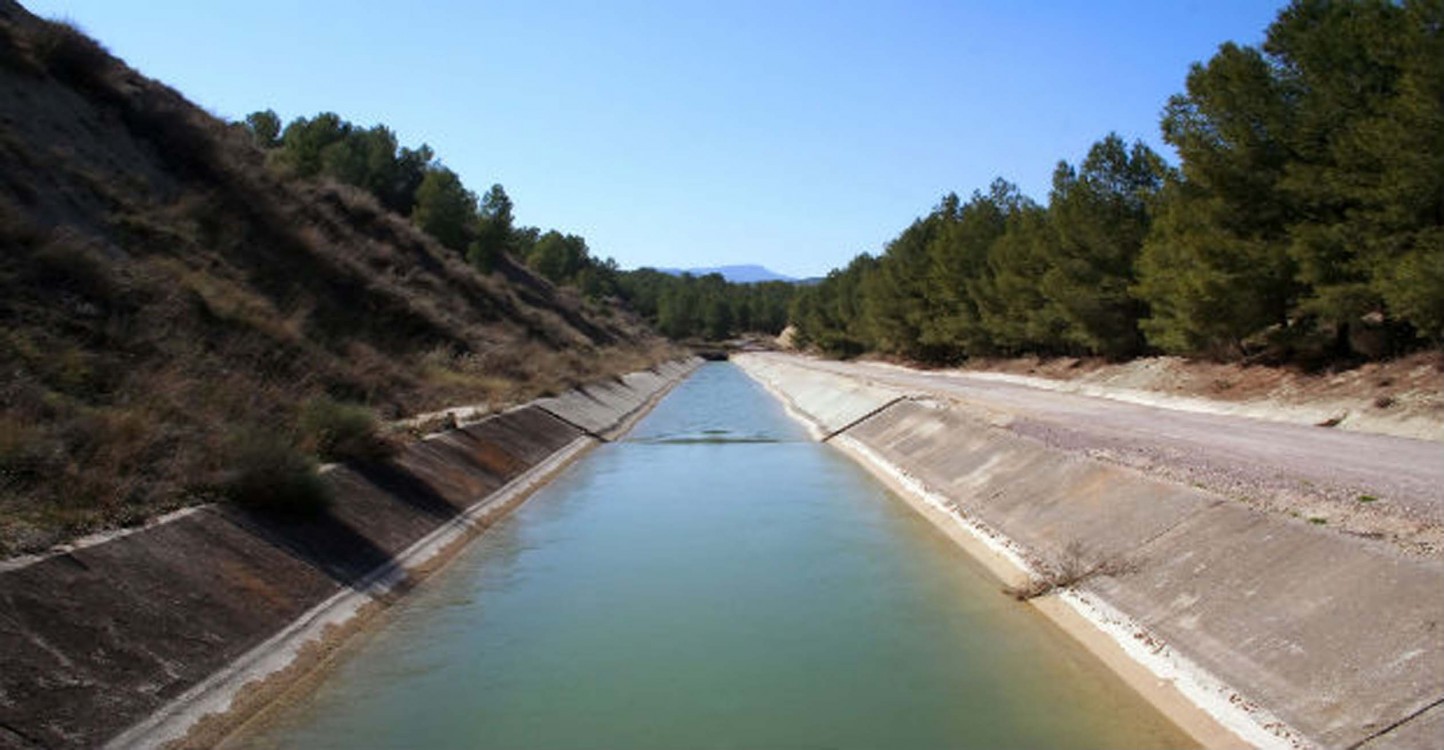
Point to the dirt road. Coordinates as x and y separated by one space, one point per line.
1375 485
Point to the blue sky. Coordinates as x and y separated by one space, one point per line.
692 133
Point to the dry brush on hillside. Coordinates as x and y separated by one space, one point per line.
167 301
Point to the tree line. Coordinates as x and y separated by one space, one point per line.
1303 222
407 181
416 184
707 307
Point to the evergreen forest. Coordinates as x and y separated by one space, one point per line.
1305 222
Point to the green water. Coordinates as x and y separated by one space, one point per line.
715 581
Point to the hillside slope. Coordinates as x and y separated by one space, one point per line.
167 301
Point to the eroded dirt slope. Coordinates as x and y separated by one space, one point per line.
168 302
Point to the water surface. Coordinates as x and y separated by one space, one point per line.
716 580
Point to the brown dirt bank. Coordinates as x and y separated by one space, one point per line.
1403 396
168 300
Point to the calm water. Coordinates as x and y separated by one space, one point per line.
715 581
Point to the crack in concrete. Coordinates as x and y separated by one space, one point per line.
863 418
1396 725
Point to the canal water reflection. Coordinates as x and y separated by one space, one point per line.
715 580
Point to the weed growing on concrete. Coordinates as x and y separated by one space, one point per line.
1318 520
1368 499
1076 565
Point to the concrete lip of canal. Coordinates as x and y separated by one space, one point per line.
715 578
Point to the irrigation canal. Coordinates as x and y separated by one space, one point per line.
715 579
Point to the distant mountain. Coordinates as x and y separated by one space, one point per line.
744 274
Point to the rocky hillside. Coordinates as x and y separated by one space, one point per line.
171 308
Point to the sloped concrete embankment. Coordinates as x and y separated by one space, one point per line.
594 408
1285 632
827 404
130 640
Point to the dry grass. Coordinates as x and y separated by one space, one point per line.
336 431
63 50
1076 565
168 304
270 475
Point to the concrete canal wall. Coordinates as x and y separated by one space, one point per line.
131 639
1285 632
604 409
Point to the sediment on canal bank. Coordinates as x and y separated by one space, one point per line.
132 639
1284 632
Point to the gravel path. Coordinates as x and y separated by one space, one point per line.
1373 485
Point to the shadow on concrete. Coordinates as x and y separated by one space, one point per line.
582 389
319 539
403 485
386 499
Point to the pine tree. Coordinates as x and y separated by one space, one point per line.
1215 268
445 209
1099 216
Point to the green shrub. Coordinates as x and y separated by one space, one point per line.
269 474
336 431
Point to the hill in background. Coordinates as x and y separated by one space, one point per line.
168 302
742 274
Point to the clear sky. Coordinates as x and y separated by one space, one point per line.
700 132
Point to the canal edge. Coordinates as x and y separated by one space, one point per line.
221 704
1206 708
217 707
1181 691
